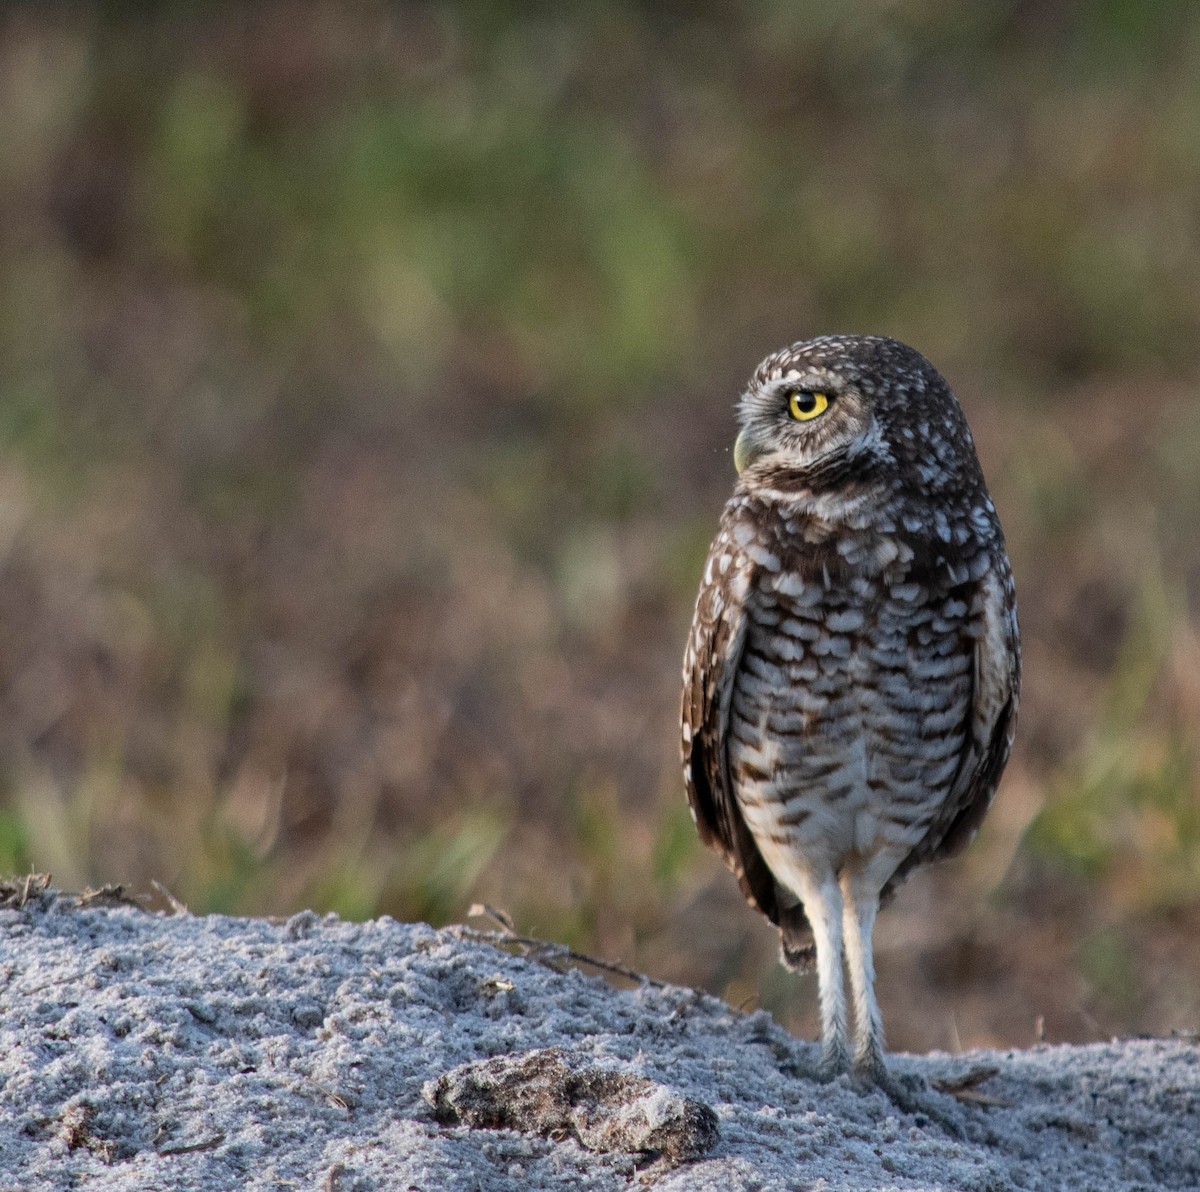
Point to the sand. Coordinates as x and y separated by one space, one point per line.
152 1051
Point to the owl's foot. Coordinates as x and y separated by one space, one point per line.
834 1062
909 1094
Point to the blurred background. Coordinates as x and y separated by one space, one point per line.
366 394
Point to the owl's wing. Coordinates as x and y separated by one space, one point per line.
711 664
995 694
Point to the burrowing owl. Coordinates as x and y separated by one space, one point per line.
851 678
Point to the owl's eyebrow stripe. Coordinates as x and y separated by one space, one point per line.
807 380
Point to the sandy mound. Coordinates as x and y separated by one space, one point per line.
143 1051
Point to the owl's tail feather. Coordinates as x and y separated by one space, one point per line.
797 951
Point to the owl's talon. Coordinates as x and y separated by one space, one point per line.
870 1069
834 1062
911 1095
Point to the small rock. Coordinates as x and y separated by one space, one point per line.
551 1092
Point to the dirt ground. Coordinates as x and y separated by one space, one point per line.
144 1050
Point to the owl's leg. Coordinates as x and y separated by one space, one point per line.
823 905
860 892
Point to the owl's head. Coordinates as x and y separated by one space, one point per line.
868 398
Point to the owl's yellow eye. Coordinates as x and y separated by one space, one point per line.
804 405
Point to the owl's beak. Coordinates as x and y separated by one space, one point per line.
745 451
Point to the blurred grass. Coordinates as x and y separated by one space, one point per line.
366 377
1125 815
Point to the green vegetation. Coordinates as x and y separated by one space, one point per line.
365 409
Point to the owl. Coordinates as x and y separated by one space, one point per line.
851 679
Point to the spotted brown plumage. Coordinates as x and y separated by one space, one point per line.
851 678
